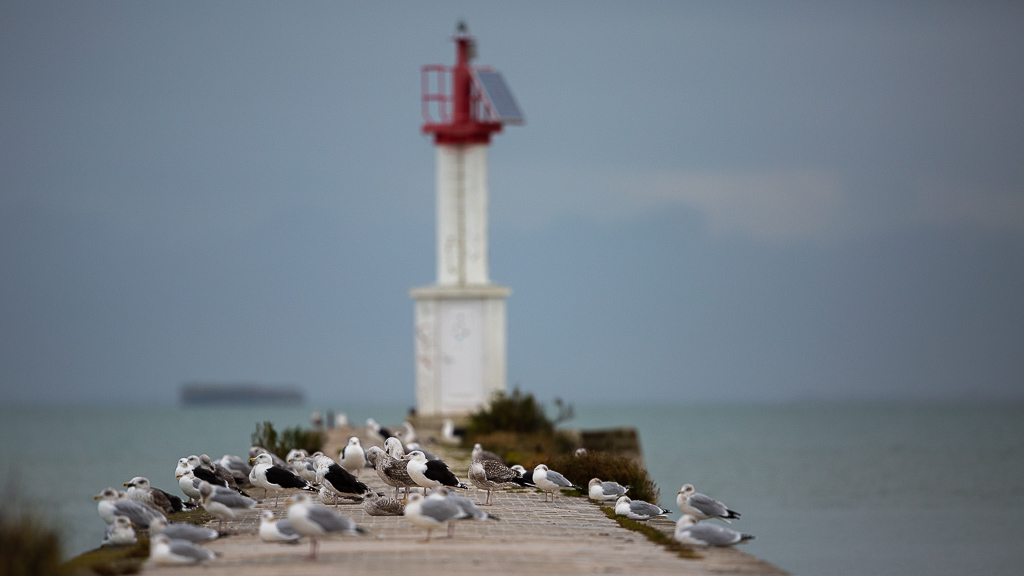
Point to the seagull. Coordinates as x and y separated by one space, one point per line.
189 485
314 520
338 480
448 434
416 446
271 477
526 474
204 473
580 452
408 432
490 474
220 472
430 473
111 504
140 491
277 529
637 509
352 457
432 512
604 491
182 531
688 531
255 451
550 481
303 466
394 447
465 504
239 468
393 472
374 429
224 504
702 507
120 533
376 504
163 550
479 453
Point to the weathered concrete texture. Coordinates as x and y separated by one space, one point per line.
571 536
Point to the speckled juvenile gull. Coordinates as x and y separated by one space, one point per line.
377 504
688 531
702 507
550 482
224 503
605 491
490 475
317 521
140 491
163 550
394 473
182 531
112 504
277 529
637 509
120 533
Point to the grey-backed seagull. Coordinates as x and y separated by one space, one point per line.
688 531
605 491
702 507
163 550
120 533
637 509
182 531
550 482
317 521
276 529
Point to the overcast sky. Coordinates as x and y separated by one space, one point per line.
709 201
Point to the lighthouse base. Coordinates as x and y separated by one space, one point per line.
460 347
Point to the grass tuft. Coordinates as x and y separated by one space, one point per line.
291 438
27 546
653 534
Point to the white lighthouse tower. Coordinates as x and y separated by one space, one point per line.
460 320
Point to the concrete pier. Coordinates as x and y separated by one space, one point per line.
571 536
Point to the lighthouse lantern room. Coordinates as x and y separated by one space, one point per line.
460 320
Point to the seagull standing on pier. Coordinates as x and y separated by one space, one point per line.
224 503
430 473
490 475
352 457
276 478
163 550
550 482
276 529
111 504
317 521
392 472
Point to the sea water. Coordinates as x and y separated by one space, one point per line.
825 488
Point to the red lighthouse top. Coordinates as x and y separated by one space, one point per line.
463 104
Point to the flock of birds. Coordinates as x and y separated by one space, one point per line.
219 486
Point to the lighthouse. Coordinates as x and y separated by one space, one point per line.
460 328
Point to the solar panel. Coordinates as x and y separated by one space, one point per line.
498 97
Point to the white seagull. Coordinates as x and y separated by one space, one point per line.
120 533
702 507
182 531
163 550
112 504
688 531
550 481
224 503
637 509
434 511
352 457
605 491
317 521
276 529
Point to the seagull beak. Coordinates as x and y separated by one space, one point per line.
97 497
178 475
127 484
252 460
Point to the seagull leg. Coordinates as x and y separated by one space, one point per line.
312 548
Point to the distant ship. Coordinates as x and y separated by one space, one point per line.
196 393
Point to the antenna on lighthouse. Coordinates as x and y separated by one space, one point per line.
460 321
